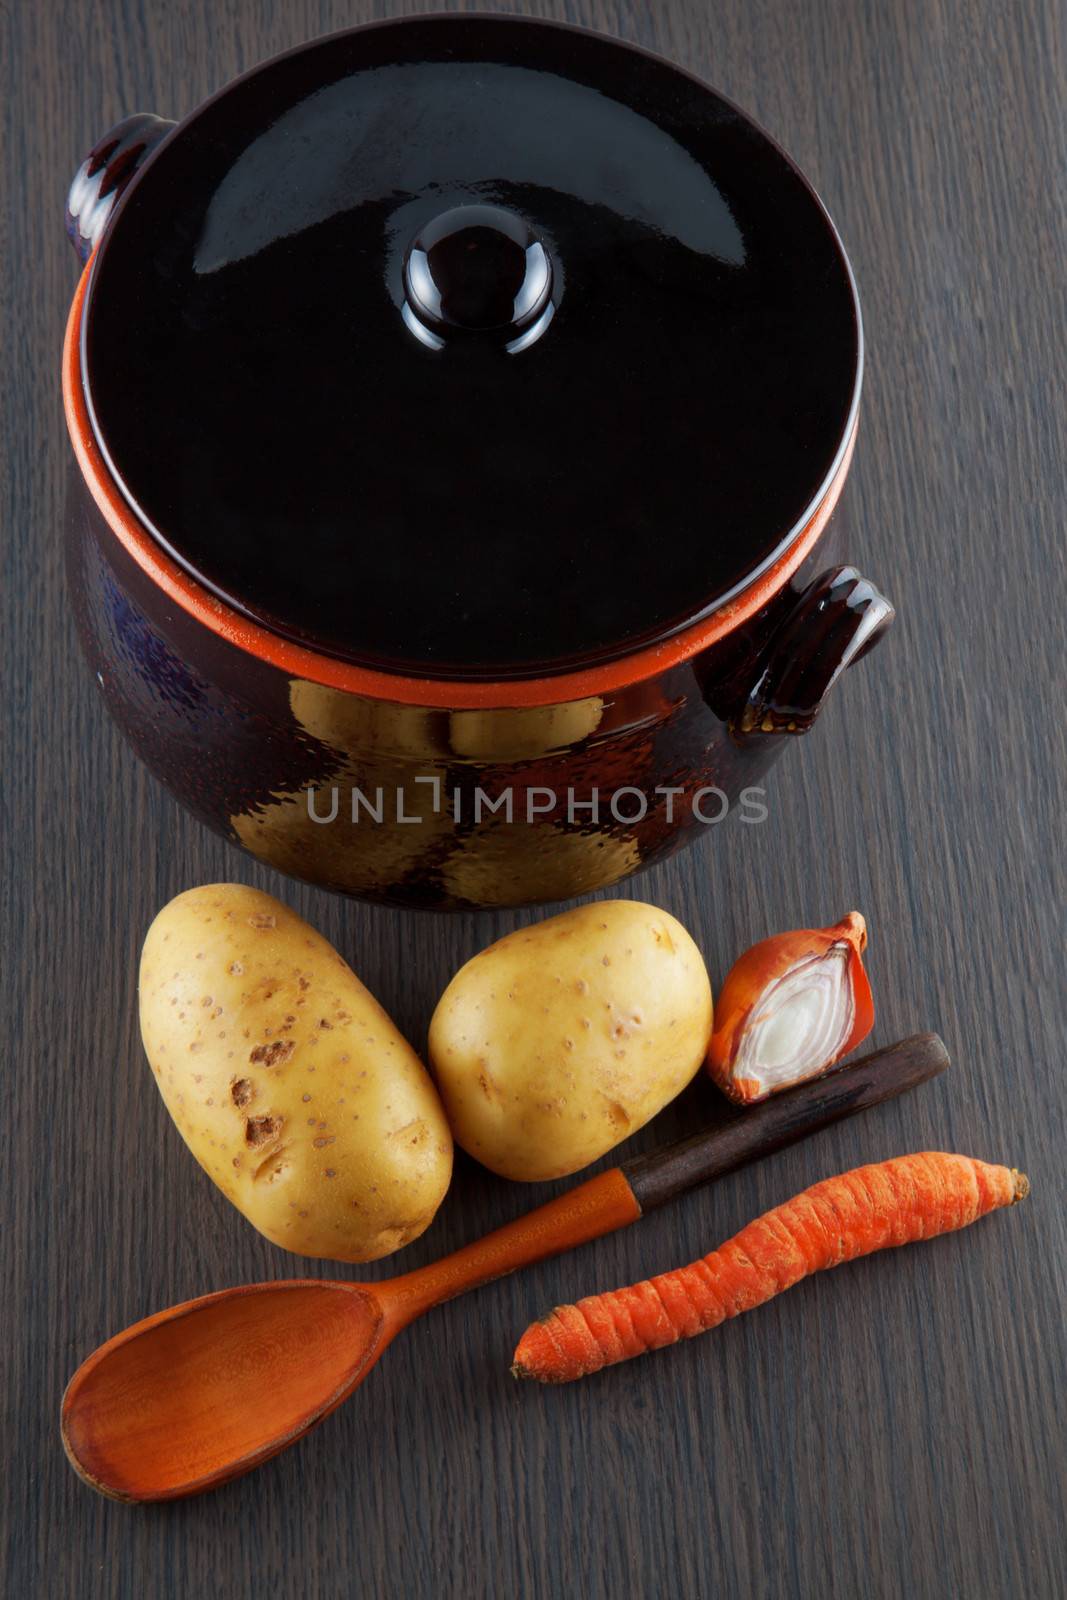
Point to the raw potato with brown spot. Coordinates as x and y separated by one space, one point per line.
558 1042
287 1080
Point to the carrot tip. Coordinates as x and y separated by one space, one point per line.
1022 1185
521 1372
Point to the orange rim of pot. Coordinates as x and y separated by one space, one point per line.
298 661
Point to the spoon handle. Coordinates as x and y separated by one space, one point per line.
617 1197
783 1119
590 1209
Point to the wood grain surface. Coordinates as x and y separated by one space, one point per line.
893 1429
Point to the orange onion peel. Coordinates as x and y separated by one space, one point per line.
790 1008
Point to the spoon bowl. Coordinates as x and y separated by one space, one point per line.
208 1389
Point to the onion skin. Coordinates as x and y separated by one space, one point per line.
762 965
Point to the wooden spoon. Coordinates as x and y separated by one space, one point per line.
199 1394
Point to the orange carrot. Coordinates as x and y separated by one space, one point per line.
888 1203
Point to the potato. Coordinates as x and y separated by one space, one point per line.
565 1037
287 1080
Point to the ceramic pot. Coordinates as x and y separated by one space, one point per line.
458 407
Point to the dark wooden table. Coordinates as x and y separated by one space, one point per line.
893 1429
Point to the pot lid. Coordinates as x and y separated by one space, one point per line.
471 346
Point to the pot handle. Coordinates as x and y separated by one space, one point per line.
835 621
104 174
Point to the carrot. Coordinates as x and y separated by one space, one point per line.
888 1203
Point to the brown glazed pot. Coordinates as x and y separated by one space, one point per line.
607 757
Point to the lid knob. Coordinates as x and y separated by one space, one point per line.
477 269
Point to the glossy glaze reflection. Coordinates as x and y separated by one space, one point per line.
470 510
